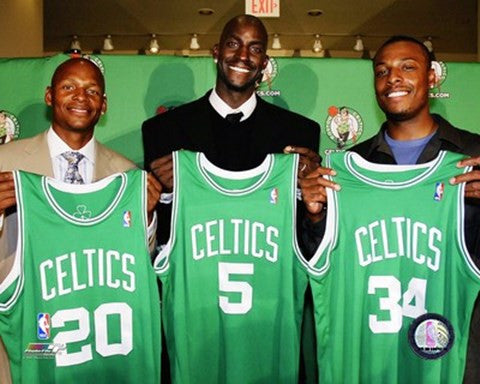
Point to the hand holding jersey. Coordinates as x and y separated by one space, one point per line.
232 282
7 191
83 304
392 278
472 178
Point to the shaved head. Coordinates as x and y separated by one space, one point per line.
65 66
250 20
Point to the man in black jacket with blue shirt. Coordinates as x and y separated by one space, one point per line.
411 134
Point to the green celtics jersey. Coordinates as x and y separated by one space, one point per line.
392 281
81 304
232 282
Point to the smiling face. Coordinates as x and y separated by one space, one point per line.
240 55
403 77
76 97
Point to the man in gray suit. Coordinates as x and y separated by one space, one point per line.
77 98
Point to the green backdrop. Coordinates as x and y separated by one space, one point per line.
138 85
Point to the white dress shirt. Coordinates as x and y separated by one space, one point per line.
57 146
223 109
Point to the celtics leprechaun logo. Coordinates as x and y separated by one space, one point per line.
344 126
9 127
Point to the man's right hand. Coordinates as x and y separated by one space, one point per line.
314 194
7 191
162 168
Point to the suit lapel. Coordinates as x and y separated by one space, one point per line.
102 166
37 155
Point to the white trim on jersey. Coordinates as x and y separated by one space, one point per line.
294 202
264 170
353 160
207 169
48 182
330 236
461 229
161 263
15 272
148 238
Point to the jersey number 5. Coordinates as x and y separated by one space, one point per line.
227 284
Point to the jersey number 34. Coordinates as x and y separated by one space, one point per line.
413 302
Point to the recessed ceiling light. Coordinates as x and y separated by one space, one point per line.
206 11
314 12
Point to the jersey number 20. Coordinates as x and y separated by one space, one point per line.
102 345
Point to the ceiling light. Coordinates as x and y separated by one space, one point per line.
317 45
206 11
153 46
108 43
314 12
428 43
276 42
194 42
75 44
359 47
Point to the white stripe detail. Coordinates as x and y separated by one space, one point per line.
352 159
48 182
264 170
17 267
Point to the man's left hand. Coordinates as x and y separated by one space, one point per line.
472 178
154 189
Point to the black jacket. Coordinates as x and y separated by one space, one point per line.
189 126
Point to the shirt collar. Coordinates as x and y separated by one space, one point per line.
223 109
57 146
445 133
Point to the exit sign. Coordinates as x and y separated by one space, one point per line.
263 8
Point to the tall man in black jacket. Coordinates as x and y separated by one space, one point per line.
233 126
209 125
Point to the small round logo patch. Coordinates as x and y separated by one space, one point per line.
9 127
343 125
431 336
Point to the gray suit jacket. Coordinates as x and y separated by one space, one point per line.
33 155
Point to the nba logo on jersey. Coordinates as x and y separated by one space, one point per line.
439 188
127 219
274 196
43 328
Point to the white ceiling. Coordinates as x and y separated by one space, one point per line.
452 24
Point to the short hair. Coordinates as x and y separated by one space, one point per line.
400 38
